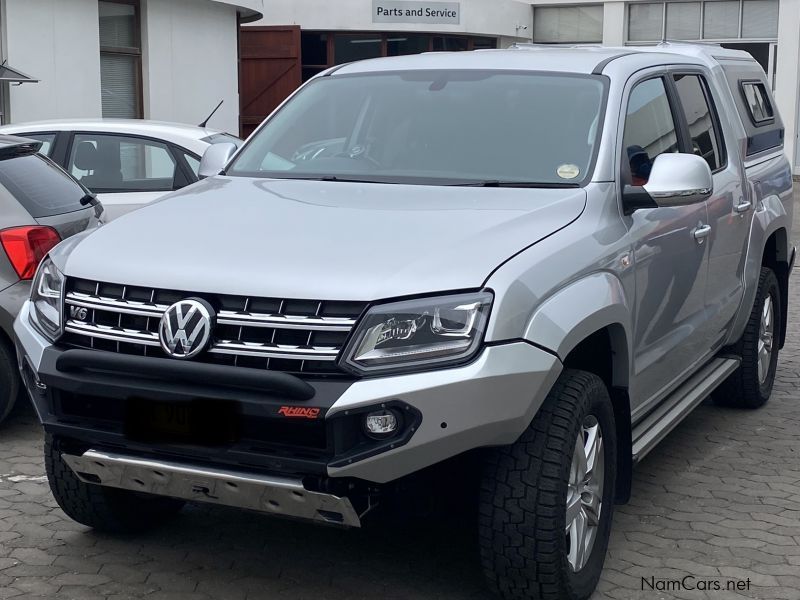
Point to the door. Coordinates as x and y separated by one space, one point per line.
729 208
270 70
670 263
126 172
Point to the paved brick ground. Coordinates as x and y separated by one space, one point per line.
718 500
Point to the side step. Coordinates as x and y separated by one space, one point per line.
655 426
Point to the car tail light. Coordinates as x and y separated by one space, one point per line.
27 246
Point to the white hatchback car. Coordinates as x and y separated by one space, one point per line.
126 162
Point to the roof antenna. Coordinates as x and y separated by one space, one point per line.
208 118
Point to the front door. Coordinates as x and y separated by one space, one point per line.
670 263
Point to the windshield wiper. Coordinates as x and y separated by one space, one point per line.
346 179
496 183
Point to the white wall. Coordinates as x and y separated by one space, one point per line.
478 17
190 63
57 42
787 77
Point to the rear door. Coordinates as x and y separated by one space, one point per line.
47 193
729 209
125 171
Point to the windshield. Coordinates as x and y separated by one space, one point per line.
433 127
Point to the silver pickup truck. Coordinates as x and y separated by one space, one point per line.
537 260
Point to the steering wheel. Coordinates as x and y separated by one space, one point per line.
360 153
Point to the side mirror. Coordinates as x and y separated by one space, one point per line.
215 158
675 180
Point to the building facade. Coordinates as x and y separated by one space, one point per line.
767 29
170 60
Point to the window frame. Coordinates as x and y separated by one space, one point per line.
712 107
626 177
130 51
757 83
183 174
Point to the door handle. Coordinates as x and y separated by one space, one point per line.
702 232
743 207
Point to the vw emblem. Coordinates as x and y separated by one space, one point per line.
185 328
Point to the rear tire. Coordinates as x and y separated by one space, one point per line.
750 386
103 508
528 489
9 380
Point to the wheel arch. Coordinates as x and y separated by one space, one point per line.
777 256
587 324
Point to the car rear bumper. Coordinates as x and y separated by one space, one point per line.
318 443
11 300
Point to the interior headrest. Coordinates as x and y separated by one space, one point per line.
86 156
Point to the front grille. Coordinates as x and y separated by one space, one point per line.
292 336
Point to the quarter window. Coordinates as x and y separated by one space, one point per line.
757 101
649 128
47 140
108 163
703 129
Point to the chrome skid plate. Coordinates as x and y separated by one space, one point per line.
275 495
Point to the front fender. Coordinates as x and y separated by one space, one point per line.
580 309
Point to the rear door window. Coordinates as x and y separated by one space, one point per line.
704 134
115 163
40 186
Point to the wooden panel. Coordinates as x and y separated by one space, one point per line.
269 70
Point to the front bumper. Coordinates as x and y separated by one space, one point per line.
485 403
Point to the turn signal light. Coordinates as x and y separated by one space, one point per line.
27 246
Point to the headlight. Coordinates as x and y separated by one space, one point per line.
47 300
414 334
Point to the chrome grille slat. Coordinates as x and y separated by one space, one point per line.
113 334
224 317
321 353
228 317
127 307
295 336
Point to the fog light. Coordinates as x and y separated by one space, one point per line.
381 423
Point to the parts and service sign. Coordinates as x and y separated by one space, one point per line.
412 11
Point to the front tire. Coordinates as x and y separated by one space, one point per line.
750 386
103 508
547 500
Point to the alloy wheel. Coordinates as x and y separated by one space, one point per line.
765 339
585 493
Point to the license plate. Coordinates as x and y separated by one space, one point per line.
200 422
